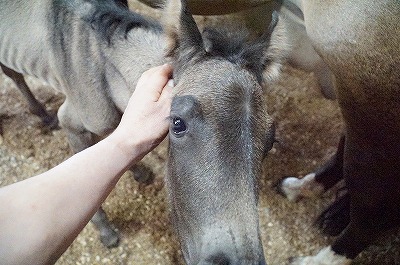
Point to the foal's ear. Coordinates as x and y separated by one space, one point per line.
183 36
267 54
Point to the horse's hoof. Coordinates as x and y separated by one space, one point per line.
51 122
336 217
143 174
285 188
110 239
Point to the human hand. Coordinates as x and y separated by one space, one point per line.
146 119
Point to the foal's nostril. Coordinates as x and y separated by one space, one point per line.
219 259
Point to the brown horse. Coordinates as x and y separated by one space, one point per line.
360 42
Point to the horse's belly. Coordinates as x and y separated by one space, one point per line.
360 41
24 38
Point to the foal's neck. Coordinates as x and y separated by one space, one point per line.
127 58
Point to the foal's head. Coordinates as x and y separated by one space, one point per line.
219 134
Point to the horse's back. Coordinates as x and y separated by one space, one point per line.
24 34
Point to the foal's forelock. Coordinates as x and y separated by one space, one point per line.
238 115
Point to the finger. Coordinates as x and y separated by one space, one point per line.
153 81
164 70
171 83
166 93
158 82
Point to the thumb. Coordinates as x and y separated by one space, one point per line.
167 92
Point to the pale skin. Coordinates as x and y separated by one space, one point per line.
42 215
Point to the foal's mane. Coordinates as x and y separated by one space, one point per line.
111 19
236 45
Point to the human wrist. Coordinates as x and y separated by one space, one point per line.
132 148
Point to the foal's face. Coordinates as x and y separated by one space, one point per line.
219 134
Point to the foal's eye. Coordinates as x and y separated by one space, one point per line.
178 127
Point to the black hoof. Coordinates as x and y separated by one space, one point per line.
336 217
50 121
110 239
143 174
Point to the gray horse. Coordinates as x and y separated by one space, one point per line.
36 107
94 52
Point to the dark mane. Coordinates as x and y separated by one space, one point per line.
237 46
111 19
234 44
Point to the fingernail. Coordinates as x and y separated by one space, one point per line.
170 83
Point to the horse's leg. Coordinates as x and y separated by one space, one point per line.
303 54
337 216
108 236
315 183
34 106
371 171
333 220
371 174
364 228
79 139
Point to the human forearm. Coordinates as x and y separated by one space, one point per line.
43 214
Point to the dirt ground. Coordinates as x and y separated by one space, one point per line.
308 128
